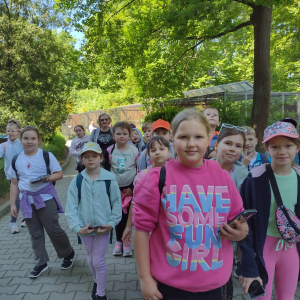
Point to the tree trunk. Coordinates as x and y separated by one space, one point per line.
262 17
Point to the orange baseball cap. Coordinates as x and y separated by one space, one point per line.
161 124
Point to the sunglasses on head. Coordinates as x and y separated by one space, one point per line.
225 125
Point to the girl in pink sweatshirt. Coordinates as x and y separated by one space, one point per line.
189 255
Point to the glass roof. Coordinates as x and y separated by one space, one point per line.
236 87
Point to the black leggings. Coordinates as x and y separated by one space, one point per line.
121 226
171 293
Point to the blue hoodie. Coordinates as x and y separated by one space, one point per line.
140 144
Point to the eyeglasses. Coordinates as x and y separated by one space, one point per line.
225 125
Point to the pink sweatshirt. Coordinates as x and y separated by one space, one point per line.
185 249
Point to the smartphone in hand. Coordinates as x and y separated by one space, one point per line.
255 290
38 179
242 217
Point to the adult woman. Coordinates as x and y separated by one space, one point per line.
103 134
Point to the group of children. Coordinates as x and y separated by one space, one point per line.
178 202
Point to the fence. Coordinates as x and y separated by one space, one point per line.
131 113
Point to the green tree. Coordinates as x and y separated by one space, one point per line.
36 67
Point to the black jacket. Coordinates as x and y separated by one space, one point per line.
256 194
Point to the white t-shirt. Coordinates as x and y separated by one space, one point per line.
30 167
123 165
91 128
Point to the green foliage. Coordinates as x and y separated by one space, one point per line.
37 66
56 146
234 112
4 184
158 110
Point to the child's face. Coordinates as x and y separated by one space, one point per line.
282 151
30 141
230 149
121 136
212 116
13 132
135 137
251 142
190 143
79 132
162 132
148 134
91 160
159 154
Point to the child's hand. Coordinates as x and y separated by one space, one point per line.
149 289
234 234
245 282
104 229
13 210
212 154
86 230
126 237
247 159
128 192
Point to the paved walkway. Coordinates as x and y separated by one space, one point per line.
16 261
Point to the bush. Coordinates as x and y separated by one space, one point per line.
56 146
167 112
4 184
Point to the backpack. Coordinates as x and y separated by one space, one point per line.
46 159
264 158
110 151
79 179
4 146
162 179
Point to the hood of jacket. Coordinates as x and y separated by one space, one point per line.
104 175
239 173
140 144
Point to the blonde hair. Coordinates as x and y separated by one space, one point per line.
146 126
250 130
189 114
14 122
104 114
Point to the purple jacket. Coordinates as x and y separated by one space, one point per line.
38 201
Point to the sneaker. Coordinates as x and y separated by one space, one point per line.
38 270
118 249
93 296
23 223
68 261
14 228
127 250
101 298
238 270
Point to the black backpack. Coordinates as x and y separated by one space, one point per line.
46 159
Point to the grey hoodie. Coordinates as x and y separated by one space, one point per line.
239 173
94 206
140 144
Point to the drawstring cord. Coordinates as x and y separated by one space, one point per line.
282 242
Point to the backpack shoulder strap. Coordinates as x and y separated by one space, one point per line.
4 146
13 165
274 185
47 161
79 179
162 179
107 185
110 151
264 158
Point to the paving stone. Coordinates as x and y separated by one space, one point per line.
5 281
9 289
120 295
63 296
132 285
84 287
28 289
130 295
11 297
130 277
21 280
30 296
59 288
115 277
83 295
71 279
